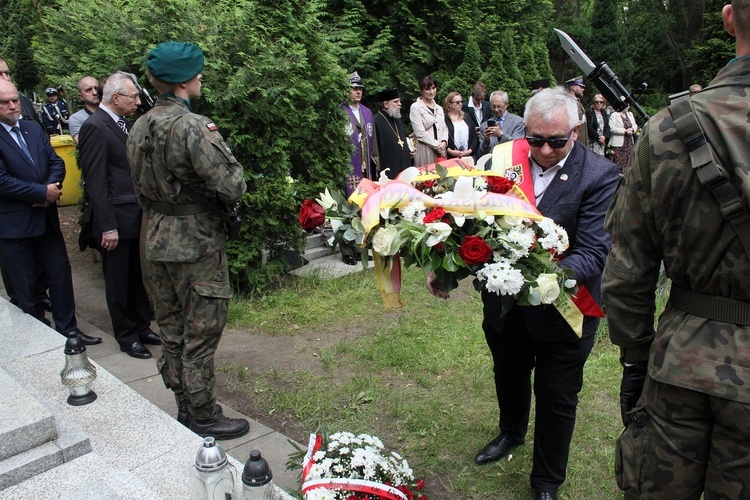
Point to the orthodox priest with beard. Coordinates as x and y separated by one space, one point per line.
391 147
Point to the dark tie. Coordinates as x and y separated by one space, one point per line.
21 142
123 127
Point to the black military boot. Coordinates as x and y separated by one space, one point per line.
183 414
219 426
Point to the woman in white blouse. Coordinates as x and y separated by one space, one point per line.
463 141
428 122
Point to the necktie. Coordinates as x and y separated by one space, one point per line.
123 127
21 142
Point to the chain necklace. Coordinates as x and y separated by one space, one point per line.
395 131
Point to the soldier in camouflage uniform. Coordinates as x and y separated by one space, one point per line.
689 433
186 264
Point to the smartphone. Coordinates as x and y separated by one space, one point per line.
491 122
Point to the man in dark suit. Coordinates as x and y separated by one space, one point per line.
115 216
31 174
477 108
573 186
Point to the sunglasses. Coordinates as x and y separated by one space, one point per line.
598 102
554 142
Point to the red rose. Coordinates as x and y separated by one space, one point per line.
311 215
420 485
406 491
474 250
434 215
498 184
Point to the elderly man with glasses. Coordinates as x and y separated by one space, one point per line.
504 126
573 186
114 214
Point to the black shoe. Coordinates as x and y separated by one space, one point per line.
149 337
183 415
86 339
47 303
349 259
545 495
496 449
136 350
220 427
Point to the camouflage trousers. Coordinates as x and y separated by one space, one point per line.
191 301
683 443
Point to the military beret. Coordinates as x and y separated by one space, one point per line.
542 83
387 95
578 80
50 91
175 62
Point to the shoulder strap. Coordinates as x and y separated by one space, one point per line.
710 174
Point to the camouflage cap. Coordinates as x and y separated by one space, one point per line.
175 62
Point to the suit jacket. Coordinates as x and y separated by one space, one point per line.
473 137
513 128
106 172
23 183
486 112
592 124
617 128
576 199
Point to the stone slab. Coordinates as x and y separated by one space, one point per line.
329 267
17 327
25 423
87 477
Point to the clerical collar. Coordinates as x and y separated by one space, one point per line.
185 101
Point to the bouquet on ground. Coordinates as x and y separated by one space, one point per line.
344 466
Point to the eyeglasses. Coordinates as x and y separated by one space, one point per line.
498 106
133 96
554 142
457 102
598 102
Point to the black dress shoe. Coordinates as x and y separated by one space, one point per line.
86 339
136 350
220 427
149 337
545 495
349 259
496 449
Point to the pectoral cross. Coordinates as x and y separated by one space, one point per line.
401 143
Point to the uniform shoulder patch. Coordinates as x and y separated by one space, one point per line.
212 127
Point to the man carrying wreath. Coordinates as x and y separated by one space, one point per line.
573 186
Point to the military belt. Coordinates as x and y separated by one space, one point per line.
711 307
181 209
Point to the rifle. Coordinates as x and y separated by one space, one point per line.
603 78
147 101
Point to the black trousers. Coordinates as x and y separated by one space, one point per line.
28 262
126 296
558 378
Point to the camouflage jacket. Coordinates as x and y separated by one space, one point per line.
669 216
198 157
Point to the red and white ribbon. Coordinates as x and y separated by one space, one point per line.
383 491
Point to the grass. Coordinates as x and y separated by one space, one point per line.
420 378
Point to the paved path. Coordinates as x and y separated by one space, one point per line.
142 376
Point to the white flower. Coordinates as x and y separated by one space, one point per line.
326 200
439 232
502 278
386 241
414 211
555 239
463 194
549 288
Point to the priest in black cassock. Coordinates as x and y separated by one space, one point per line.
391 147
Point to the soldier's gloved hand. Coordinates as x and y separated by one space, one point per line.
633 377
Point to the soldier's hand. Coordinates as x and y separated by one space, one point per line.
633 378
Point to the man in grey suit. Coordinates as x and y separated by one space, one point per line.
503 127
115 216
